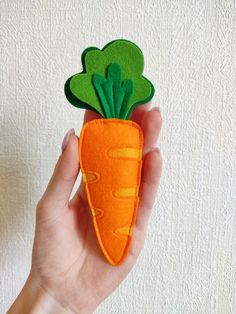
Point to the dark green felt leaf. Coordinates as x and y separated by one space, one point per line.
113 94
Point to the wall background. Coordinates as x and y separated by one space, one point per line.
189 261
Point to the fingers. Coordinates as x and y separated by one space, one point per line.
63 179
91 115
139 111
151 173
151 122
151 125
80 195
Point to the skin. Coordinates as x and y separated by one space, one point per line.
69 273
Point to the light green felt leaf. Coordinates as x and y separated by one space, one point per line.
130 60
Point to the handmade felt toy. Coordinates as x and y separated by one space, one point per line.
110 148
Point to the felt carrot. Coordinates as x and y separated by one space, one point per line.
111 84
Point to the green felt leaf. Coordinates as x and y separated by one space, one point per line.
111 82
113 94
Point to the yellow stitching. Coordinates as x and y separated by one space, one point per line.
125 192
127 152
125 230
96 212
90 176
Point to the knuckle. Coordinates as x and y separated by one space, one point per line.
159 155
137 246
160 120
147 204
40 206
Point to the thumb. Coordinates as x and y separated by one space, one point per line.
60 186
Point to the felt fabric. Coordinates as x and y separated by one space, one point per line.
113 94
81 89
111 160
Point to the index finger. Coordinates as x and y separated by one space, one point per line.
91 115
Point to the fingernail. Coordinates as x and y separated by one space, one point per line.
157 109
66 139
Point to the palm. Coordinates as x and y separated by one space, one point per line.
67 255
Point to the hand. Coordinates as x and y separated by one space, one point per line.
69 273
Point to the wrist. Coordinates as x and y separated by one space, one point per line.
33 299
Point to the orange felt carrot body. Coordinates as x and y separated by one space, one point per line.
111 161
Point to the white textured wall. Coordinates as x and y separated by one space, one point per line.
189 261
